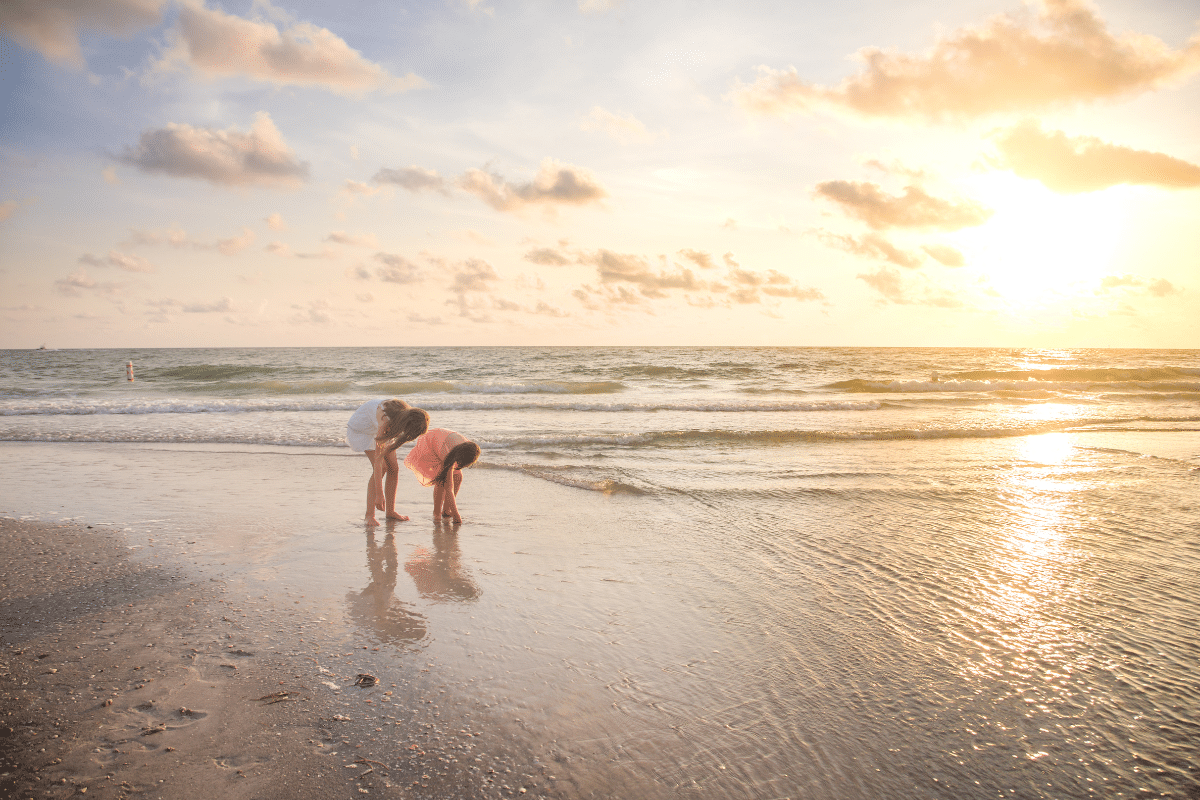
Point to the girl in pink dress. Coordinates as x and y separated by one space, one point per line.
436 456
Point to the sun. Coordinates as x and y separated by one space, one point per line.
1039 247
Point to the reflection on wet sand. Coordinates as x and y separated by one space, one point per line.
439 575
376 608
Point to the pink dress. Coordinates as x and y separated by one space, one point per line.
429 451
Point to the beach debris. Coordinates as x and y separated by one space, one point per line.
365 679
150 730
184 711
275 697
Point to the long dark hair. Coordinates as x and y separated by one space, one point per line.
460 456
403 424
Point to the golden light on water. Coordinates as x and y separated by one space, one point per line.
1032 567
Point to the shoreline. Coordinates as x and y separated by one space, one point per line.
128 678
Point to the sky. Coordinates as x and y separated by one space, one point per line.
197 173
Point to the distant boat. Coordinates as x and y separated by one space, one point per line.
43 347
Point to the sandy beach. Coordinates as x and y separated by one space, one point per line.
135 679
668 584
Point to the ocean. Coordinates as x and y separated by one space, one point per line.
698 572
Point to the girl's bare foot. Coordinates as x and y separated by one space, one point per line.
394 515
370 520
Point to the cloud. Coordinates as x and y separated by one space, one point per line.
702 260
914 209
317 312
545 309
279 249
1158 288
397 269
236 244
597 6
363 240
889 283
275 222
945 255
52 27
1073 164
555 184
1012 63
72 285
352 187
115 258
624 128
473 276
414 179
229 157
750 285
7 208
871 245
621 268
547 256
214 44
178 238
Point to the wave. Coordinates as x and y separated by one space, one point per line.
1082 374
585 444
86 407
567 476
545 387
1026 387
206 372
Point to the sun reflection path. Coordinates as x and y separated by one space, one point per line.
1033 575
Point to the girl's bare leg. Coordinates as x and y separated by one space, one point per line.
391 479
439 498
373 499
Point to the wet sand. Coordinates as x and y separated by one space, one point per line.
135 677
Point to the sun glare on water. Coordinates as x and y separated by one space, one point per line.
1040 248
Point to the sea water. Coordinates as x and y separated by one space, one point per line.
744 572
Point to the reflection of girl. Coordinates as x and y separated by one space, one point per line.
440 575
375 608
436 456
376 429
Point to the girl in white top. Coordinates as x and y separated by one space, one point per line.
377 429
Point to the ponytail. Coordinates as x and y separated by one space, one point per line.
461 456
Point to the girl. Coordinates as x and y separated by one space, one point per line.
437 455
376 429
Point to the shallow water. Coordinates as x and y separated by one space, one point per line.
976 596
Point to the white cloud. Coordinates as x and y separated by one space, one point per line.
1012 63
236 244
1073 164
414 179
547 257
229 157
7 208
624 128
115 258
52 27
397 269
275 222
916 208
353 240
214 43
555 184
473 275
